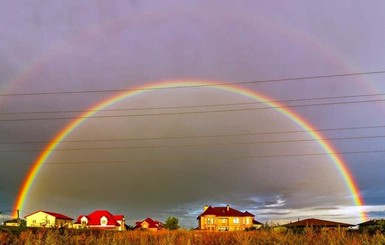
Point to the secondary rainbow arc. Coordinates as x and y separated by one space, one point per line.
326 146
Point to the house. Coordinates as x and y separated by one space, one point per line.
15 222
47 219
316 223
257 224
224 219
149 224
100 219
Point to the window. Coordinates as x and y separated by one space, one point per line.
103 221
84 221
223 228
236 220
247 221
208 221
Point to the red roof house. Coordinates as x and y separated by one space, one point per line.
224 219
47 219
149 224
101 219
224 211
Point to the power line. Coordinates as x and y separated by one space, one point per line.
315 154
190 112
201 85
194 145
206 136
214 105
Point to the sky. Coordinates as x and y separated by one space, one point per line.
168 152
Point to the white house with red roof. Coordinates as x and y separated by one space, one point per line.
47 219
149 224
224 219
100 219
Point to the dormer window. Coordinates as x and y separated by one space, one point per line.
103 221
84 220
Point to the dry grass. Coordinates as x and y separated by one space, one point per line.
48 236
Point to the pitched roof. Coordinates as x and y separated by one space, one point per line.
224 211
317 222
119 217
94 218
256 222
371 222
151 223
56 215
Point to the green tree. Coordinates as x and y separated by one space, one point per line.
171 223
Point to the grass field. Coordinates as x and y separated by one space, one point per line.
309 236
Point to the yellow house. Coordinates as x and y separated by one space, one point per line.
224 219
48 220
149 224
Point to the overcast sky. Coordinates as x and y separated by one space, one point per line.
203 145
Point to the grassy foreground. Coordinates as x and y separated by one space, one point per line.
51 236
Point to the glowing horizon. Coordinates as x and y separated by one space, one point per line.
325 145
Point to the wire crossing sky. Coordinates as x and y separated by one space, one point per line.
322 62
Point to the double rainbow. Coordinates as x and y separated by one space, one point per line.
326 146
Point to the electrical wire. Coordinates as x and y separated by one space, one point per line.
202 85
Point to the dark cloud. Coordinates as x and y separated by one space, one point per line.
72 46
376 214
167 174
326 208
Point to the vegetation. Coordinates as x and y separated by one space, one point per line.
172 223
80 237
377 226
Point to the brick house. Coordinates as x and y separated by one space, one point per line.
224 219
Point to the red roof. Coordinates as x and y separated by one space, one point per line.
119 217
225 211
317 222
151 223
94 218
56 215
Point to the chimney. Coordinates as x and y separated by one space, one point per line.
228 207
205 207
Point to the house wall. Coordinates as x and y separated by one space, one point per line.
110 227
63 223
40 219
223 223
122 225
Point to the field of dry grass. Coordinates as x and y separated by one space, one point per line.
50 236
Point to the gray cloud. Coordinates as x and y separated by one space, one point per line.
71 46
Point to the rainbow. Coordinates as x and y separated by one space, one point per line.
326 146
90 33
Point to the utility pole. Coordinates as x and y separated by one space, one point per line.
18 217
